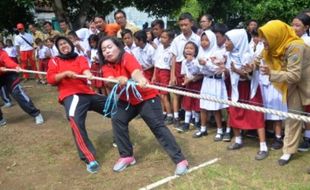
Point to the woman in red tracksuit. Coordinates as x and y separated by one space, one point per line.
76 96
122 66
11 82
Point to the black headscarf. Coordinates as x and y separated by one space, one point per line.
70 55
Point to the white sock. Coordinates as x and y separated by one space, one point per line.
188 115
285 157
307 133
278 136
169 115
165 113
197 117
203 128
176 115
263 146
238 139
219 130
228 129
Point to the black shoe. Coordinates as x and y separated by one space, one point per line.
218 137
199 134
305 145
277 144
176 123
283 162
261 155
227 137
183 128
234 146
169 120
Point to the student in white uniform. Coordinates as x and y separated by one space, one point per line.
162 62
144 54
185 22
213 84
128 41
272 98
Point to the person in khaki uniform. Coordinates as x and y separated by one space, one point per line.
288 66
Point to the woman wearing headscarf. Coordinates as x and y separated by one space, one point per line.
288 66
244 89
76 96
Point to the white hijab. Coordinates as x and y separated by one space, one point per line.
240 55
204 54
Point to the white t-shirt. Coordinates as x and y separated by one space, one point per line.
11 51
130 49
145 56
42 52
306 39
178 43
163 57
23 45
187 66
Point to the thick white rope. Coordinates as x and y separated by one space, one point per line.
198 96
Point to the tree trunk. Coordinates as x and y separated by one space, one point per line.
82 16
60 12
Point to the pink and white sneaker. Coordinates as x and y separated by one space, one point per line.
123 163
182 168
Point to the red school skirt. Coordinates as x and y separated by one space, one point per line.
162 78
189 103
247 119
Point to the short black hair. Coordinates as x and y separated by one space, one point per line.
141 35
38 40
120 11
47 22
93 37
196 48
126 31
73 33
170 33
100 16
158 22
251 20
220 28
186 15
118 44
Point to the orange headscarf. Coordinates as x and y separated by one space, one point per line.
279 36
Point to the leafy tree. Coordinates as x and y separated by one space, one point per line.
12 13
80 10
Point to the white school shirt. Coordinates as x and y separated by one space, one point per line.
130 49
145 56
187 66
11 51
54 51
42 52
163 57
178 43
306 39
94 55
23 45
84 45
156 41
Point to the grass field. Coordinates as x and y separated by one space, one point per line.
44 157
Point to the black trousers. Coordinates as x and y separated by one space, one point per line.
76 107
151 112
10 81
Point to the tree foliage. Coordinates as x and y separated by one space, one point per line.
12 13
234 11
